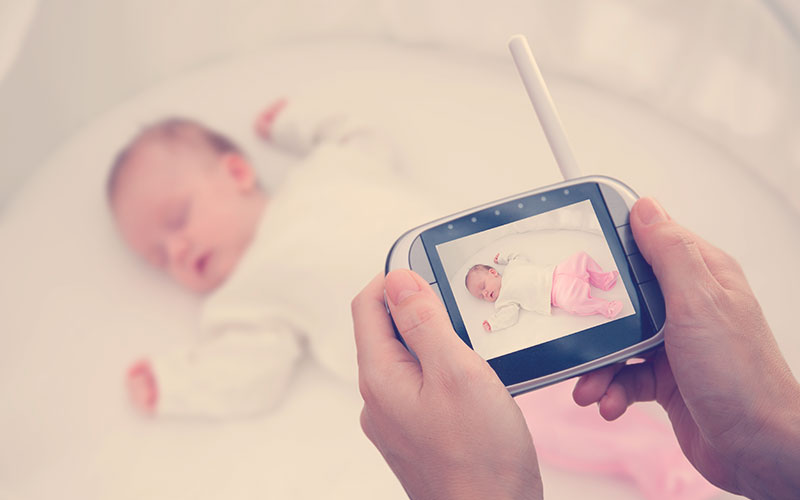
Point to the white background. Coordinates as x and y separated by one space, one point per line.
728 70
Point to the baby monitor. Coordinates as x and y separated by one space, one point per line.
548 284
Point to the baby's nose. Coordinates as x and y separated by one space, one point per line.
177 248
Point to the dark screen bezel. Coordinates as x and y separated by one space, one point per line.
568 351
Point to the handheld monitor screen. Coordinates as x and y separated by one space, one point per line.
539 279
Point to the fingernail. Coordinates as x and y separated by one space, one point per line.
650 212
400 285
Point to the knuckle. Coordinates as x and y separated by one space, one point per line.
726 265
463 377
416 317
709 303
719 298
742 305
669 241
450 384
703 302
379 388
674 236
731 262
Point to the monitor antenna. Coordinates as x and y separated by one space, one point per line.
544 107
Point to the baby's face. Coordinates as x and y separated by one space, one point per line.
484 284
189 213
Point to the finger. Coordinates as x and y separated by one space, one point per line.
634 383
592 386
376 344
421 318
671 250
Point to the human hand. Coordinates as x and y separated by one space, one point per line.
487 326
732 400
142 388
445 424
496 257
265 120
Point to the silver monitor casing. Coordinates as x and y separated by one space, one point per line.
400 257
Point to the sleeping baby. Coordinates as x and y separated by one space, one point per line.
537 288
277 269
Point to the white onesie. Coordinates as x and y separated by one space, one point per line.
323 236
525 285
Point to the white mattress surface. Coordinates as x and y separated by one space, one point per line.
76 308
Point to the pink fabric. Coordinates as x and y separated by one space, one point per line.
637 448
572 282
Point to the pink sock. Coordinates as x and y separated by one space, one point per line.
614 307
604 281
637 448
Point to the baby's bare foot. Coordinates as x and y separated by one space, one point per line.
264 121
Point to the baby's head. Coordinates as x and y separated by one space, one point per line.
187 200
483 282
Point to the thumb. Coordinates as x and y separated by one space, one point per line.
671 250
421 318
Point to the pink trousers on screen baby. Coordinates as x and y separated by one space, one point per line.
572 282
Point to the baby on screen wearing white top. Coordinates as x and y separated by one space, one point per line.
537 288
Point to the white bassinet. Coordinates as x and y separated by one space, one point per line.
76 308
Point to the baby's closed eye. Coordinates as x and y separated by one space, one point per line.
177 215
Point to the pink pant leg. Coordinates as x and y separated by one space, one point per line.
582 265
574 295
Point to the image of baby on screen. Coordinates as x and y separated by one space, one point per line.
537 288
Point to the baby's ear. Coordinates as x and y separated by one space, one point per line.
240 170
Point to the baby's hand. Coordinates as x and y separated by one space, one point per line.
487 326
267 117
142 388
496 257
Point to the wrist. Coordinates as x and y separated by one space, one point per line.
525 485
515 476
770 468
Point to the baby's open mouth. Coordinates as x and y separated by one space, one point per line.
201 263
